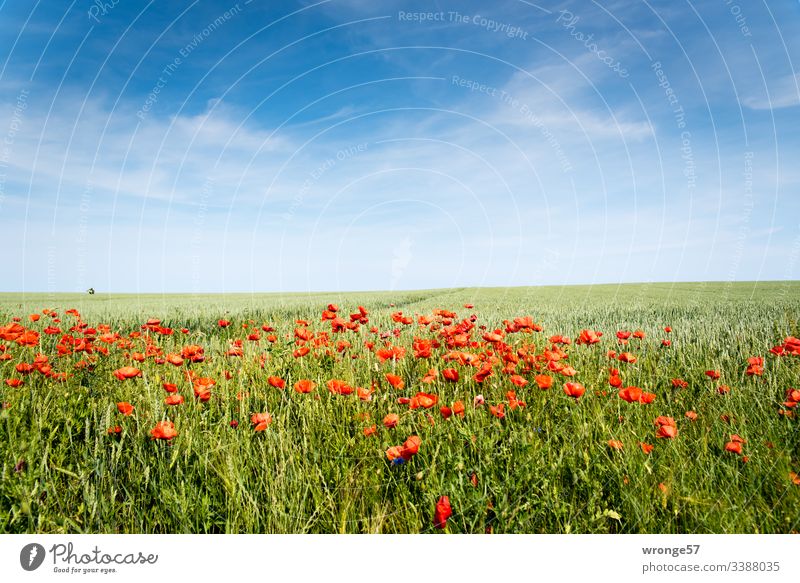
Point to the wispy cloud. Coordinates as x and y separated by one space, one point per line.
780 93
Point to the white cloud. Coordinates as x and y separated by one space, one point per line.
473 196
779 93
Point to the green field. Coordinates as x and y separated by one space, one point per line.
544 467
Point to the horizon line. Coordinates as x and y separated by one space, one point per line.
409 290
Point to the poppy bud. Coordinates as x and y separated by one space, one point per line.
442 513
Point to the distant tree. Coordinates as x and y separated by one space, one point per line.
90 291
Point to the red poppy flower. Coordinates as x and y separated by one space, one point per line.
630 394
193 352
390 353
568 371
615 444
391 420
735 444
543 381
24 368
518 380
575 390
127 372
411 446
422 348
646 447
442 512
203 394
170 388
125 408
513 402
522 324
11 332
15 383
424 400
260 421
304 386
497 410
202 388
679 383
450 374
406 451
666 427
755 366
496 336
484 373
647 398
445 411
223 323
627 357
458 408
666 431
301 352
430 376
713 374
164 430
28 338
276 382
364 394
339 387
175 359
394 452
174 400
394 380
791 345
588 337
371 430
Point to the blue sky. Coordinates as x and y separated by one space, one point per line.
352 145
